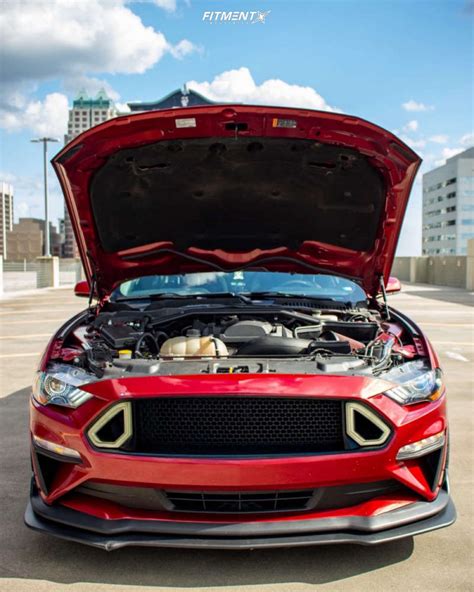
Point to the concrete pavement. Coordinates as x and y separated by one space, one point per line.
441 560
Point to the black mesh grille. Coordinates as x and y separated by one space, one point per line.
237 425
232 503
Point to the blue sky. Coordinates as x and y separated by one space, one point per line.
404 64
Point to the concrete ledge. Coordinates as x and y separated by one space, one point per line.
453 271
47 275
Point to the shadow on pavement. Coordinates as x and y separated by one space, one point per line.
26 554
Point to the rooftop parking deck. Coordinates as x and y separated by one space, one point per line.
441 560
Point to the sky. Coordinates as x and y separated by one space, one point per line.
406 65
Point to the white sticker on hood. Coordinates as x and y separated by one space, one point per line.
187 122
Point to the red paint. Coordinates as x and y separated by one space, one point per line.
82 289
409 424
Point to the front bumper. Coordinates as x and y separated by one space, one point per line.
72 525
63 508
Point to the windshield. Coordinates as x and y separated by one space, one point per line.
242 282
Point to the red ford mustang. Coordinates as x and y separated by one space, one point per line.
240 381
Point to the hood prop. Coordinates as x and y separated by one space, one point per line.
384 296
93 290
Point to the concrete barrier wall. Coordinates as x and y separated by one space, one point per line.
447 271
420 270
453 271
401 268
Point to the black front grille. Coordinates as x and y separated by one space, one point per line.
236 425
236 503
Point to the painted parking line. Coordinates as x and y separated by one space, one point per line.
28 321
463 343
23 355
26 336
48 310
464 325
39 303
456 356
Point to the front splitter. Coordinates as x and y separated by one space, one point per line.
75 526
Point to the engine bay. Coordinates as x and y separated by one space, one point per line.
246 338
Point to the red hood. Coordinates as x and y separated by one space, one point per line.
232 187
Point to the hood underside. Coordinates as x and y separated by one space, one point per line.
236 187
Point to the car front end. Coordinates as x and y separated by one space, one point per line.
240 380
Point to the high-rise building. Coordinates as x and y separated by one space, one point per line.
6 213
85 113
448 206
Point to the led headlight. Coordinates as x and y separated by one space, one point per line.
59 385
417 383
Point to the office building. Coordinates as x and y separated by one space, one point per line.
25 240
448 206
85 113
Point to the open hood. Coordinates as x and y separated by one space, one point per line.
231 187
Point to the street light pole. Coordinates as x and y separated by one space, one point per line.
44 141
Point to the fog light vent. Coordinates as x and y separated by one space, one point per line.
364 426
113 428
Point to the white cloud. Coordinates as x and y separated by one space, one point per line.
239 86
184 48
439 139
448 153
51 38
28 191
414 144
467 140
69 41
413 105
7 177
122 107
411 126
168 5
22 209
40 117
92 85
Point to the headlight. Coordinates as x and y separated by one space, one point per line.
59 386
417 383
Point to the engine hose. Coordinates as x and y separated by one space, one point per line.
140 341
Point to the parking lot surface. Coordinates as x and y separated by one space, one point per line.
441 560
